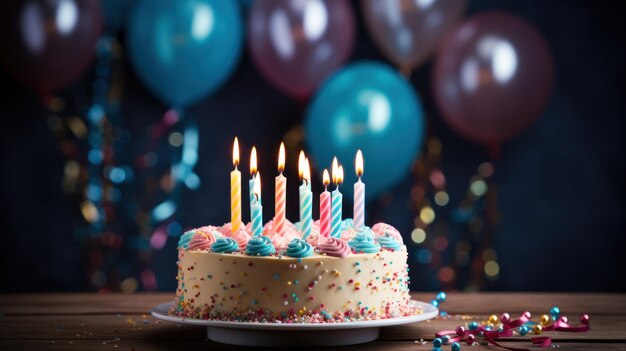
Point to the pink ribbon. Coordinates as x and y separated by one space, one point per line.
508 326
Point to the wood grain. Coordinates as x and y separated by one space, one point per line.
122 322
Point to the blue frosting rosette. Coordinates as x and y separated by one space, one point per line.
185 239
225 245
365 230
347 224
362 243
299 248
388 242
260 246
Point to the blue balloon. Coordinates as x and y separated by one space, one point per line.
183 50
366 106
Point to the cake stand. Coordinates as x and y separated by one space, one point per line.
297 334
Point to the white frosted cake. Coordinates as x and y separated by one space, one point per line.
362 275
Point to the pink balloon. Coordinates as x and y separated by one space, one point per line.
493 77
407 31
296 44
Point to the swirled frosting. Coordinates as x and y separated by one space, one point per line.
299 248
381 229
347 223
388 242
289 228
315 238
201 241
241 237
225 245
184 239
350 233
280 241
363 243
334 247
260 246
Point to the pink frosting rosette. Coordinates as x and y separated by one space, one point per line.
335 247
348 234
226 229
382 229
290 229
201 241
281 241
315 238
241 236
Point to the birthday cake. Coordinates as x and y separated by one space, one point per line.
235 276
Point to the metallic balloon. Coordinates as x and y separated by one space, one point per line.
296 44
493 77
183 50
407 31
367 106
47 44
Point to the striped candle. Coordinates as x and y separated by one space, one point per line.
235 191
306 201
359 193
280 194
337 201
325 207
256 209
253 173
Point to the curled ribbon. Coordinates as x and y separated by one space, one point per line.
508 326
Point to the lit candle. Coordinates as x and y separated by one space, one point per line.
306 197
253 173
256 209
280 193
359 193
235 191
325 207
337 200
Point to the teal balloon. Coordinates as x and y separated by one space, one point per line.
183 50
367 106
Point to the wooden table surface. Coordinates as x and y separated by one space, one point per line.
123 322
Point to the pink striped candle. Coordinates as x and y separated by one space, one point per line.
280 193
359 193
325 207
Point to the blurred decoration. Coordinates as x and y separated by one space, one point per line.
129 202
184 50
36 37
493 77
367 106
115 12
465 260
296 44
408 31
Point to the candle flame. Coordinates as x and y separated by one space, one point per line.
358 164
340 175
236 153
326 178
335 169
257 186
253 163
301 160
306 174
281 158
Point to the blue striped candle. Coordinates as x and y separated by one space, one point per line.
335 222
306 209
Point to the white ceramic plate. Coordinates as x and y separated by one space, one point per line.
296 334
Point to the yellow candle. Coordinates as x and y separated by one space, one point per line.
235 191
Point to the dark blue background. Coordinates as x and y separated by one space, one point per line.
560 185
